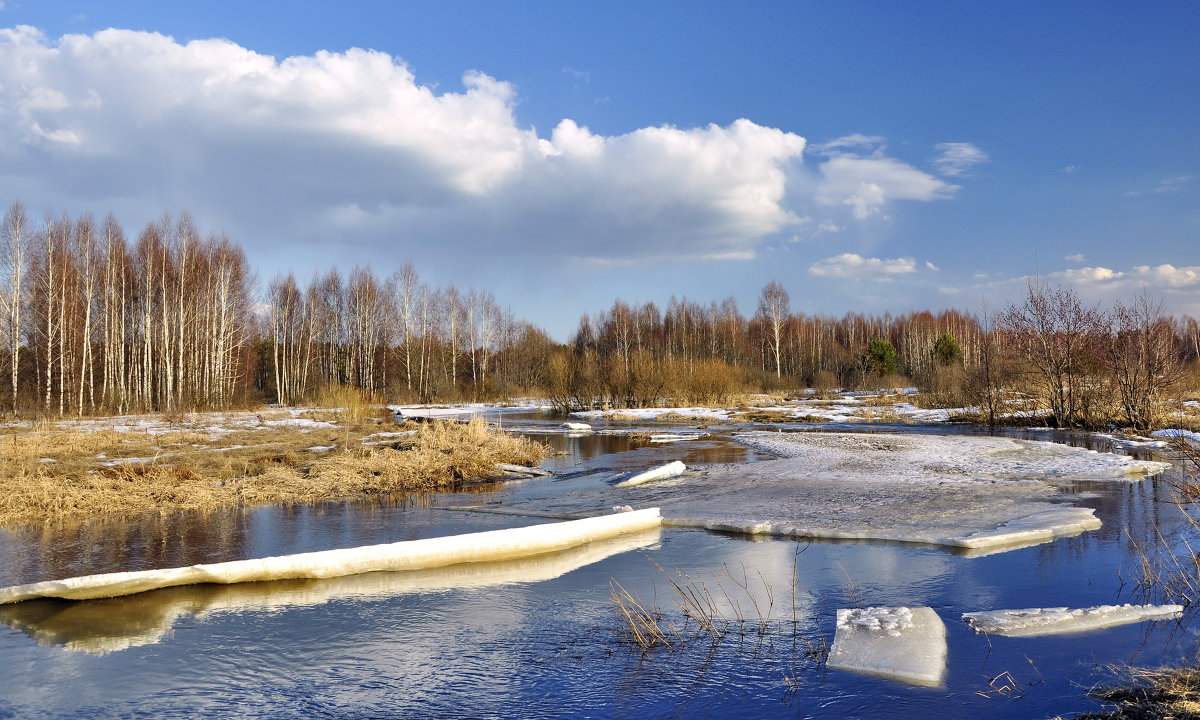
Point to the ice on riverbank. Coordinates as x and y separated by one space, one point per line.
1053 621
487 546
107 625
976 493
906 644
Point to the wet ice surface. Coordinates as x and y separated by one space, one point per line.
900 643
1053 621
975 492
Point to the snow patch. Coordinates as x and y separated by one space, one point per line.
1175 433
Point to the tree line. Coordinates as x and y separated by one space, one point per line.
94 322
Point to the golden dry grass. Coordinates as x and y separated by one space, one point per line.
1167 693
58 475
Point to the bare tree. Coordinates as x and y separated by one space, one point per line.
12 265
1055 333
1143 354
773 309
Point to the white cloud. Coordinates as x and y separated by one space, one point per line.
958 157
348 147
850 265
856 141
1070 169
1168 185
1077 257
867 184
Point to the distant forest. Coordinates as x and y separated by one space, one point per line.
93 321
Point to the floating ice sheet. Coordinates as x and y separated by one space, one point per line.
107 625
487 546
901 643
978 494
1053 621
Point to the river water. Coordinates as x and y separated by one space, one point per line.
541 638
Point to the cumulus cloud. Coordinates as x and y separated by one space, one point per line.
957 157
1157 276
850 265
350 147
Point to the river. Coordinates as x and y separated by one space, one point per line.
543 639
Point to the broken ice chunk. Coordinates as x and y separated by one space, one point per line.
661 472
1053 621
901 643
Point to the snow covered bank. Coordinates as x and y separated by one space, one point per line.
976 493
492 545
1053 621
107 625
907 644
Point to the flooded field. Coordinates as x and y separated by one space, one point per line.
542 638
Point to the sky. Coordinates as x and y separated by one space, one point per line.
870 156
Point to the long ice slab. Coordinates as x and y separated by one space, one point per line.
1054 621
106 625
901 643
487 546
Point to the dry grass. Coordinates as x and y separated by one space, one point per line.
60 475
1151 694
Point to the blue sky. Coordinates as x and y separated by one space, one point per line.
871 156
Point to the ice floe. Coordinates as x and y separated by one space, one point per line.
577 426
1053 621
901 643
487 546
663 472
976 493
107 625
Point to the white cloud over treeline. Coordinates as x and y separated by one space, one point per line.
351 145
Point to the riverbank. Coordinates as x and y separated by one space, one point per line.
103 467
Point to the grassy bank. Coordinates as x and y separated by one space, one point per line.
67 472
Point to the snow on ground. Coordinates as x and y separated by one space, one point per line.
655 413
906 644
1052 621
1178 433
983 494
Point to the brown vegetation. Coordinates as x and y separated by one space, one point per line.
53 475
1151 695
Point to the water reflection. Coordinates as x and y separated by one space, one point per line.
106 625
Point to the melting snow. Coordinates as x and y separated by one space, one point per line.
1052 621
907 644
